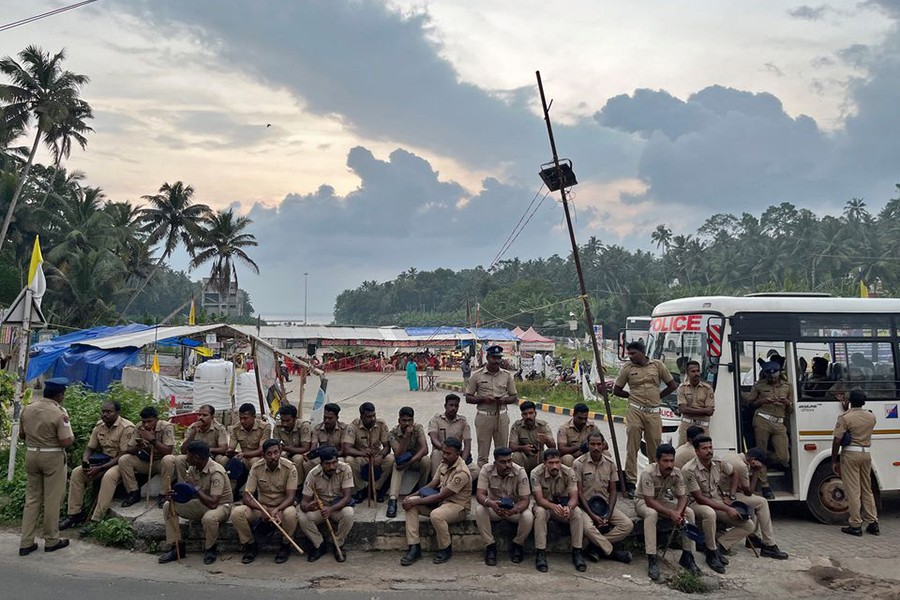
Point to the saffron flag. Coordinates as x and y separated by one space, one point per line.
863 289
155 366
36 280
192 316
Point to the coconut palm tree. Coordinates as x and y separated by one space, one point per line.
222 242
40 90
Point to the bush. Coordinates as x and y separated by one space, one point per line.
114 532
12 493
687 582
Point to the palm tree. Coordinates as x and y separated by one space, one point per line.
222 242
662 235
855 211
62 134
42 91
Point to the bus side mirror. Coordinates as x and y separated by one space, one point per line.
621 344
714 329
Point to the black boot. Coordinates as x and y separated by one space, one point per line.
392 508
540 561
317 553
413 554
212 553
722 553
773 552
687 561
857 531
652 567
172 554
283 553
871 528
620 554
443 555
578 560
490 555
516 552
712 559
250 552
132 499
70 521
592 552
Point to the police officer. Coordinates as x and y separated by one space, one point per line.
47 433
451 424
330 432
153 441
851 460
555 492
643 376
248 433
204 429
109 440
696 402
332 481
685 453
490 389
367 441
529 437
503 494
774 400
572 436
409 446
295 438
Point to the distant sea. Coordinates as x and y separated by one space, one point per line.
297 319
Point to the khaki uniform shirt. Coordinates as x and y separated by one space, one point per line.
331 488
457 478
562 485
572 436
595 476
44 423
299 435
770 393
738 463
684 454
701 396
697 478
215 437
112 441
445 428
248 440
213 480
484 383
860 423
522 435
643 381
165 434
416 438
272 486
652 483
515 485
333 438
361 438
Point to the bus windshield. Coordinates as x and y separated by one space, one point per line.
677 339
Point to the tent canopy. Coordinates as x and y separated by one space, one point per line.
533 336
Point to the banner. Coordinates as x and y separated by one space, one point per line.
265 365
181 391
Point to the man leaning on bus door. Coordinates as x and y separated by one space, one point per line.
774 400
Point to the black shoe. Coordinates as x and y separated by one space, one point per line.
767 493
392 508
712 559
211 554
773 552
540 561
361 495
629 489
620 555
284 551
172 554
652 567
687 561
57 546
317 553
516 552
722 552
27 550
132 499
753 541
70 521
250 552
340 556
578 560
380 495
490 555
160 500
443 555
857 531
413 554
870 528
592 552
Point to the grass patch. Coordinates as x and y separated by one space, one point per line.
114 532
688 583
566 396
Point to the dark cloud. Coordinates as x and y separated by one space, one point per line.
809 13
773 69
820 62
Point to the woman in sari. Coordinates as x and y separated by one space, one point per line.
411 376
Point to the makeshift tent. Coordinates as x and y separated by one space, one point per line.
532 341
518 331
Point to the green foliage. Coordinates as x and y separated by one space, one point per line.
543 391
114 532
12 493
7 392
688 583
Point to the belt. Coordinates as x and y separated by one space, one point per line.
492 413
855 448
45 449
769 417
699 422
642 408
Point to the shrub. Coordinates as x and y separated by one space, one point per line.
687 582
114 532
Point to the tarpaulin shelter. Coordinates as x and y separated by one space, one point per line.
532 341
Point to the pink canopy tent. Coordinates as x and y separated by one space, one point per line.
535 342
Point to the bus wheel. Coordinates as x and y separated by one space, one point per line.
826 498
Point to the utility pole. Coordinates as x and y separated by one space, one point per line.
584 295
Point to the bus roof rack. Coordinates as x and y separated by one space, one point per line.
787 295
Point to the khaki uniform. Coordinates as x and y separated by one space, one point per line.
758 504
334 438
422 466
361 438
516 486
684 454
594 479
330 490
301 434
642 419
856 464
130 464
457 478
272 486
215 437
247 440
551 487
710 482
44 424
699 396
213 480
445 428
112 441
569 435
520 434
665 490
768 421
491 421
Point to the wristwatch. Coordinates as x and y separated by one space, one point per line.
732 497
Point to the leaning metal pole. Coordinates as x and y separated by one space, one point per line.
584 295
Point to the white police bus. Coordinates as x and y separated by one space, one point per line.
827 344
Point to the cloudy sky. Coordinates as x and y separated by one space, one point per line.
407 133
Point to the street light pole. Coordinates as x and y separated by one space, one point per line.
305 296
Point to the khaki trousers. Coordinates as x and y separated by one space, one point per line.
762 518
541 518
194 510
242 516
527 462
309 524
437 457
484 516
776 433
650 517
621 527
45 487
638 425
709 517
490 428
856 473
360 462
440 516
129 465
421 466
682 431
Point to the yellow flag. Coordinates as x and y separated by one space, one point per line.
155 367
36 280
863 290
192 316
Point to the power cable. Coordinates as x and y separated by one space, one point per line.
49 13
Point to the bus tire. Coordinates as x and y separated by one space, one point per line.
826 499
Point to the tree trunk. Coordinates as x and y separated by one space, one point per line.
140 289
50 185
19 188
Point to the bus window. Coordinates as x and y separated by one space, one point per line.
815 381
868 366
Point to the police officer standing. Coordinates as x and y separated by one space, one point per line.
774 400
851 460
47 433
490 389
696 402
